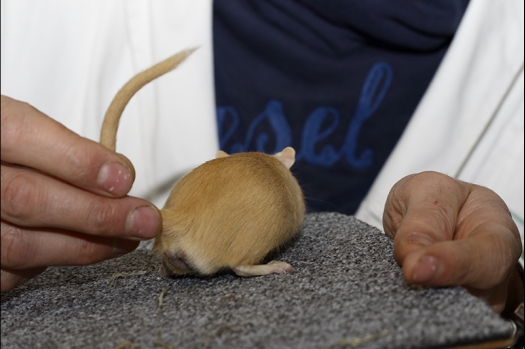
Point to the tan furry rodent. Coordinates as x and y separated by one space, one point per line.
228 213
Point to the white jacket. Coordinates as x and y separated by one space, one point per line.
69 58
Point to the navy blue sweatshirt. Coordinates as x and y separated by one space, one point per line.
336 80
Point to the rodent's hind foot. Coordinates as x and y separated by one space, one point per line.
273 267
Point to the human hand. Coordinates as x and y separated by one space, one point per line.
63 198
448 232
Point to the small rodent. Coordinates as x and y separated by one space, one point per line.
228 213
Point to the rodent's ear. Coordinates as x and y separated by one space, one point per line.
221 154
286 157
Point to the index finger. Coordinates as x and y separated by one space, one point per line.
422 210
32 139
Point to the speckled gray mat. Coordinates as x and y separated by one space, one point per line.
347 286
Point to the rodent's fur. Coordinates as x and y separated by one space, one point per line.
228 213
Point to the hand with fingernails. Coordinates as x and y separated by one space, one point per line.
63 198
448 232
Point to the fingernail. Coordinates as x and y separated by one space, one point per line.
426 269
115 179
421 239
144 223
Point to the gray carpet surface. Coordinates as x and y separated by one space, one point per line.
347 291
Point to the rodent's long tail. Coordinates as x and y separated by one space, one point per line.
108 134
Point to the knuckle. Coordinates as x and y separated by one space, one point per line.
20 195
15 123
102 217
439 182
12 251
431 176
82 160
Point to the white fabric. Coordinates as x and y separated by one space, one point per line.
68 58
469 123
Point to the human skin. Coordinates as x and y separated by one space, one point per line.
447 232
64 198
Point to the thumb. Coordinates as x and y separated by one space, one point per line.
447 232
479 261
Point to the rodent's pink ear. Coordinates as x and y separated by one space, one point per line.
286 157
221 154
